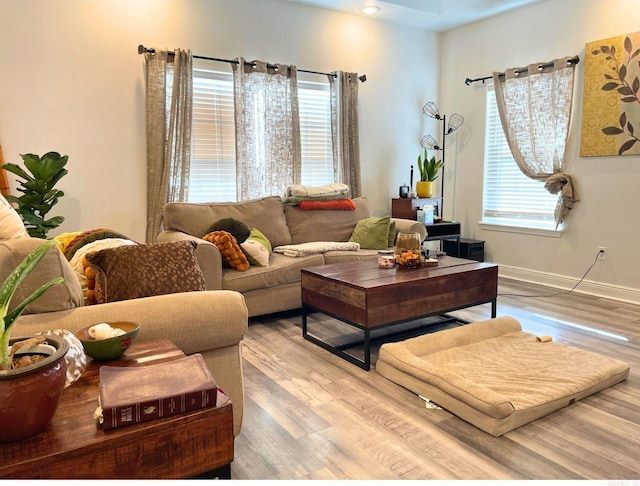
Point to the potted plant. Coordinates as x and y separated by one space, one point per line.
428 168
38 193
29 393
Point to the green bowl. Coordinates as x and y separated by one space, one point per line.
110 348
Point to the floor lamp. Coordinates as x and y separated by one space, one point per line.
428 142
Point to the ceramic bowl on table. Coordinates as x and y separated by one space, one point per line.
111 347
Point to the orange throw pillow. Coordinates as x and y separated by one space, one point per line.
232 254
343 204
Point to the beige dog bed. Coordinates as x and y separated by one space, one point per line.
494 375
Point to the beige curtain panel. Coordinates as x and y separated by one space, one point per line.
268 154
344 130
535 103
169 98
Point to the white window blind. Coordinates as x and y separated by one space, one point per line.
509 197
213 141
315 133
213 163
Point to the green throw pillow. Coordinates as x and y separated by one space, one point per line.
238 229
257 248
372 233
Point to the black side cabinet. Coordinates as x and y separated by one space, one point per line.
469 249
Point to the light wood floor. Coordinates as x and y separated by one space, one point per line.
312 415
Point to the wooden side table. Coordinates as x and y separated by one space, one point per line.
406 208
193 444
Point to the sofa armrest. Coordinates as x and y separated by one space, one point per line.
411 225
209 257
193 321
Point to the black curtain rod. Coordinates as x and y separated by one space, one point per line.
573 60
142 49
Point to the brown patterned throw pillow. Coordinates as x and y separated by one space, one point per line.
134 271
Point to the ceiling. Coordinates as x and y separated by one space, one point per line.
435 15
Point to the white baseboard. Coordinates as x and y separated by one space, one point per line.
607 291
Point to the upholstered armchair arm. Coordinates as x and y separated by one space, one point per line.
410 225
193 321
209 257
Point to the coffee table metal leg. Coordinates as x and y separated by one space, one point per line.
223 472
367 349
365 363
304 321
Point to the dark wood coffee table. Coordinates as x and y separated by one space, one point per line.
368 297
193 444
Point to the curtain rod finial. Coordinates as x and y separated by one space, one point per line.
363 78
142 49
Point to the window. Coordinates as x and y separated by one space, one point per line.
509 197
213 162
213 141
315 133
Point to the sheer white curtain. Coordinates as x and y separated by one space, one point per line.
344 130
534 103
268 158
169 97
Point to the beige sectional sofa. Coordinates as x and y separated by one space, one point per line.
275 287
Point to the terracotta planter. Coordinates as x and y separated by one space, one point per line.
424 188
29 396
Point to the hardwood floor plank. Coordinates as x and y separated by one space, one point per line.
293 415
311 415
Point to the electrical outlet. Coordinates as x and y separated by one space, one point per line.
602 253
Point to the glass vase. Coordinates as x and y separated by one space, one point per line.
408 249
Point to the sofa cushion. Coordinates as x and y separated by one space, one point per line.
238 229
86 237
59 297
341 256
282 270
266 214
324 225
257 248
11 225
131 272
372 233
84 271
227 245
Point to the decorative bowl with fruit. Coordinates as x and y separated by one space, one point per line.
408 259
107 340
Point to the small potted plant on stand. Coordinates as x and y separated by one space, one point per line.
428 168
29 391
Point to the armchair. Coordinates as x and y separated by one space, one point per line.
212 323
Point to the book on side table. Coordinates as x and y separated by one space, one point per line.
130 395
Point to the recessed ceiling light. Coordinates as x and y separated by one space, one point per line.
370 9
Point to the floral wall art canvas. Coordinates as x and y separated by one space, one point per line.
611 107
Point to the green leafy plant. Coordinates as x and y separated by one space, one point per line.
428 167
38 193
7 290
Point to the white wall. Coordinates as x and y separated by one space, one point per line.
607 214
71 81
